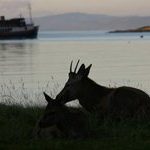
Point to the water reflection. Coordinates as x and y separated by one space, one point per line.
19 46
35 61
16 59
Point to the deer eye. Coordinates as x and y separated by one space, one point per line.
68 84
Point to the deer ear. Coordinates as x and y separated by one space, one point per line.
87 70
81 69
47 97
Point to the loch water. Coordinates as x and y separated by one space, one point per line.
117 59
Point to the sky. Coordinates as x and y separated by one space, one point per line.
13 8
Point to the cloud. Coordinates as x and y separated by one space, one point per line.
13 7
13 3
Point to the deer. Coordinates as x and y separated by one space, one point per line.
122 102
60 121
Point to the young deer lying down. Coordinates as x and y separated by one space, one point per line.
121 102
61 121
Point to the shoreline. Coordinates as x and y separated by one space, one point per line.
138 30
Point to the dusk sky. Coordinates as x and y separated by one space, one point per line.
11 8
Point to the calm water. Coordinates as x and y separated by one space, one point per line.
118 59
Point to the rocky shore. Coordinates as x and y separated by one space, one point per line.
141 29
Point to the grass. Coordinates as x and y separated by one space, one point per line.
18 119
17 123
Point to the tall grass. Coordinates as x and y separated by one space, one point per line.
19 113
19 94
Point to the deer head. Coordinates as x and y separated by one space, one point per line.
52 113
74 86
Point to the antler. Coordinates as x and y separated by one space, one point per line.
71 66
75 69
76 66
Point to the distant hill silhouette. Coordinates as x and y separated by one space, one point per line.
82 21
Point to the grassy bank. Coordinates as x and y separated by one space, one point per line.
17 123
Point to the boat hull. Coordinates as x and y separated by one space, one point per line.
24 34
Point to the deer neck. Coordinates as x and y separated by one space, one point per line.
92 94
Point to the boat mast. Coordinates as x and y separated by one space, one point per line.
30 13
